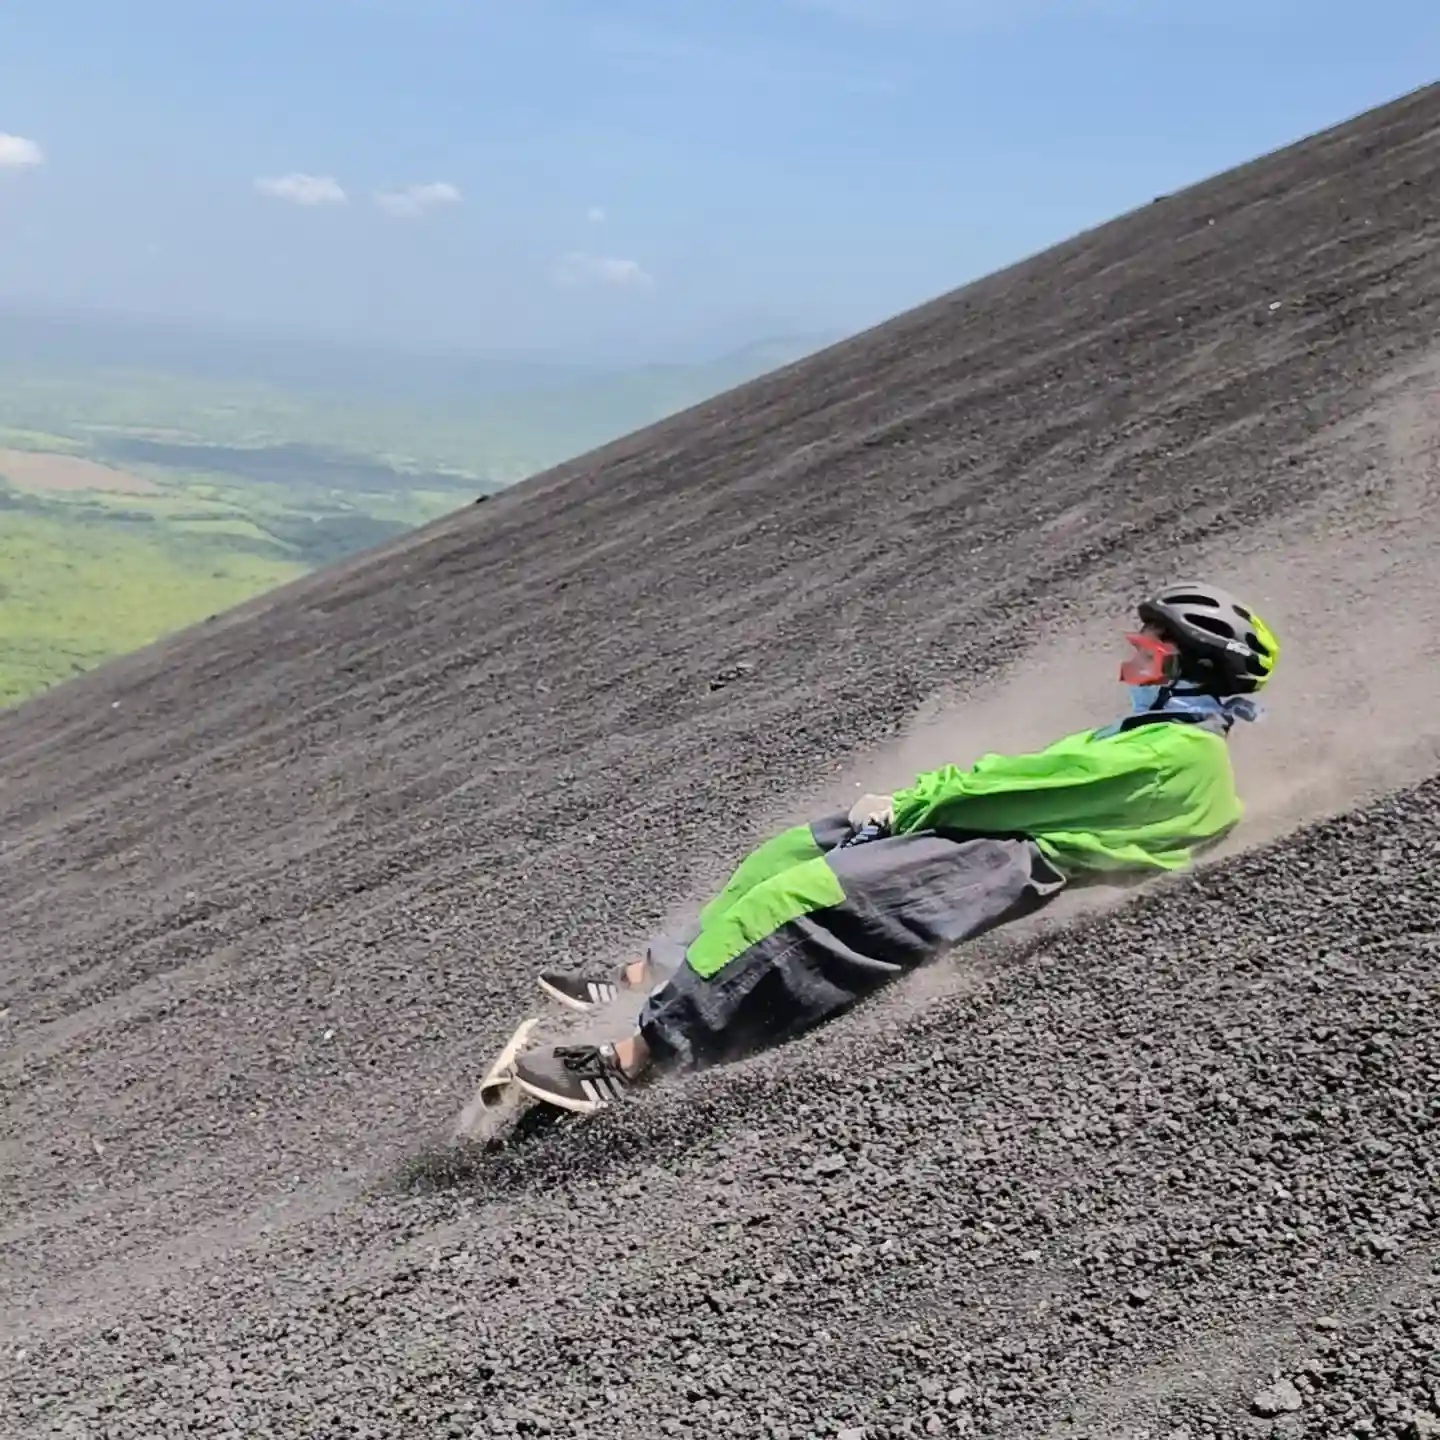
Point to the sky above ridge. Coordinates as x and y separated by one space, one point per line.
636 177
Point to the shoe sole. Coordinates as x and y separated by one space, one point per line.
501 1074
583 1007
576 1107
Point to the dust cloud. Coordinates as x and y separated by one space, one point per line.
1350 588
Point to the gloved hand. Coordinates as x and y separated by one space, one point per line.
873 810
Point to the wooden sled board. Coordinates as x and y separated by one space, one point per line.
501 1074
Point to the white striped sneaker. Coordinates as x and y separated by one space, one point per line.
583 992
583 1078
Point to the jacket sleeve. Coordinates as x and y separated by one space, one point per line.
1040 791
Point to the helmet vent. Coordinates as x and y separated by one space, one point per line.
1213 625
1217 636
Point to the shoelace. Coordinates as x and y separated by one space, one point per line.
582 1059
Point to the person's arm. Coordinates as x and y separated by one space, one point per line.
1069 789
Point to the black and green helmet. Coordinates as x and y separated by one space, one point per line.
1221 642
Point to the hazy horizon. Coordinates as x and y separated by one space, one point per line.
119 336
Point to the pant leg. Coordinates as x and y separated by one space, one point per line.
808 942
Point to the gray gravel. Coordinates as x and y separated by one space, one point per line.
274 889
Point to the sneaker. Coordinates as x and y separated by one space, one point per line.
582 1078
584 992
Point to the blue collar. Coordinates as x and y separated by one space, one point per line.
1149 703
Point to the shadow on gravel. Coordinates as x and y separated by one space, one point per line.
681 1116
544 1150
889 1041
464 1162
541 1150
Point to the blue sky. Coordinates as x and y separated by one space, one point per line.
627 176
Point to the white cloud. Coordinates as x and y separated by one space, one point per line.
595 215
303 189
417 199
578 268
18 153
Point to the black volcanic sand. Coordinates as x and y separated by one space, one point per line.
272 890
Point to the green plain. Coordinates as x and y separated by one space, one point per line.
74 592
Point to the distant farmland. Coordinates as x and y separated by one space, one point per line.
31 470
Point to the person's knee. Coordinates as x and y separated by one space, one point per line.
789 895
828 831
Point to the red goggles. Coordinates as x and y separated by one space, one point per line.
1151 661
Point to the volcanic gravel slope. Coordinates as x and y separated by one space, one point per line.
273 890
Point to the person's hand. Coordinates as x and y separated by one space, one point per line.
872 810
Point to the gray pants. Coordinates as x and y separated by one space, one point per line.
901 901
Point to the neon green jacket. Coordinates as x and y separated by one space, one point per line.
1147 798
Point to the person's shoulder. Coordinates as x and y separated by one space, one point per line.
1168 741
1189 750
